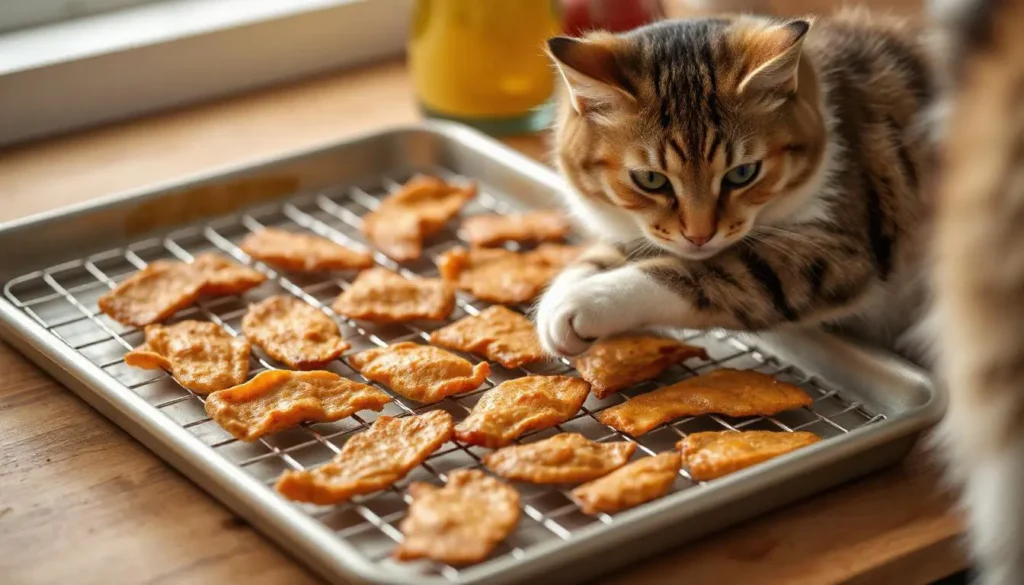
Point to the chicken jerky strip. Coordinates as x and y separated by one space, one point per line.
711 455
381 296
418 210
497 333
726 391
420 372
279 399
302 252
371 460
461 523
293 332
614 364
641 481
519 406
564 458
201 356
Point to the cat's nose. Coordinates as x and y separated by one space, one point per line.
698 239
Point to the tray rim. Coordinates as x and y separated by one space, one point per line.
307 538
451 130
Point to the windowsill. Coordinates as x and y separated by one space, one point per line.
140 26
102 68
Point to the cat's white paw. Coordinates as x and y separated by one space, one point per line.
582 306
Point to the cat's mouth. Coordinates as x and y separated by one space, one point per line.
686 249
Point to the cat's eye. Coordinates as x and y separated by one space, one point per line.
741 175
650 181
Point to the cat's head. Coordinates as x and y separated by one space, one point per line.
689 133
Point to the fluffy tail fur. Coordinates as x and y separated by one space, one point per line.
979 248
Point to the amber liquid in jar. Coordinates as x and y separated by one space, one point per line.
482 62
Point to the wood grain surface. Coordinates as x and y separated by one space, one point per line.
82 502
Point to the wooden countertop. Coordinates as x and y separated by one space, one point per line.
82 502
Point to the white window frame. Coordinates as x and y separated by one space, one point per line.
78 73
19 14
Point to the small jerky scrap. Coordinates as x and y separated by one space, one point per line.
564 458
502 276
461 523
302 252
371 460
545 225
725 391
711 455
381 296
620 362
641 481
293 332
279 399
420 372
497 333
153 294
201 356
521 405
415 212
223 276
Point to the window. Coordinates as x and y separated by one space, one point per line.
17 14
83 62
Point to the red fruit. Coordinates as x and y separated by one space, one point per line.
577 17
612 15
623 15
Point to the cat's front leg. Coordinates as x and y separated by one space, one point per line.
585 304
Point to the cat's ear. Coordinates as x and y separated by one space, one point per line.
591 72
773 56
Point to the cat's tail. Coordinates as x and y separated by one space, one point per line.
979 277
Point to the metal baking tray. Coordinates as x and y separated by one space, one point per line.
869 406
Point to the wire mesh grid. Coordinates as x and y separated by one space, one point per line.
63 299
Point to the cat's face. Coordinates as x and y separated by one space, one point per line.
689 133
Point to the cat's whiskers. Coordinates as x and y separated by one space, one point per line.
804 239
641 248
768 241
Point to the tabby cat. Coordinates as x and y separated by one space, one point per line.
745 173
753 173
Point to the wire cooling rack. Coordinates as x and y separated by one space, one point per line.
63 298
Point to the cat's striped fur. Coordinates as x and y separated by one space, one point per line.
979 279
845 242
828 233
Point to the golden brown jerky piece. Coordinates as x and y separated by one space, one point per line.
420 372
497 333
153 294
462 522
641 481
371 460
293 332
542 225
222 276
617 363
564 458
517 406
201 356
164 287
726 391
502 276
382 296
302 252
711 455
280 399
415 212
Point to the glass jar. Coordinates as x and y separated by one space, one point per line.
482 62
